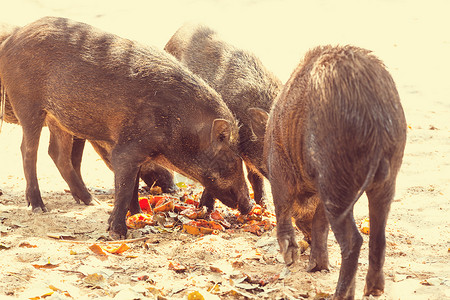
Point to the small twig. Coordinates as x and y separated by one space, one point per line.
107 242
70 271
17 276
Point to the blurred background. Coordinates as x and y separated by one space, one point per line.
411 37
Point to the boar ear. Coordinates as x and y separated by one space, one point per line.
258 121
220 133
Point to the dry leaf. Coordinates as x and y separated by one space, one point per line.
27 245
116 250
177 267
4 247
195 296
95 280
365 226
98 250
47 265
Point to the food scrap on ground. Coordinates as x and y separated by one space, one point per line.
182 212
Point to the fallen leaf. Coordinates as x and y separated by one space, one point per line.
425 282
364 227
95 280
97 250
116 250
215 269
196 295
181 185
47 265
177 267
4 247
27 245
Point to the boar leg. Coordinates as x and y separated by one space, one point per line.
135 208
29 148
379 204
126 165
350 242
257 182
318 258
77 154
285 231
60 150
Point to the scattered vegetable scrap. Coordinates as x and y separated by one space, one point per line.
365 226
168 211
140 221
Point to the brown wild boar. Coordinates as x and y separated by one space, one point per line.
337 130
150 172
245 85
6 112
124 98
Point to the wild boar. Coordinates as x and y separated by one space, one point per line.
151 173
123 97
337 130
245 85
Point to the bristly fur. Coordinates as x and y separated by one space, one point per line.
336 130
134 103
239 77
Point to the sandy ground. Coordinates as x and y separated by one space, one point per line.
410 37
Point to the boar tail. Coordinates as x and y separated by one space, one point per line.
2 105
369 179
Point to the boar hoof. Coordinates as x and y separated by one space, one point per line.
87 200
374 292
289 250
373 288
117 235
117 231
315 266
39 209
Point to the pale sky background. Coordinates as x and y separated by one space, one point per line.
411 37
